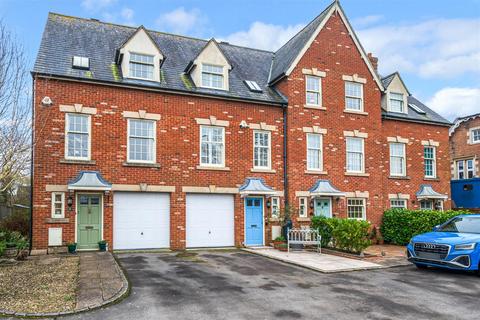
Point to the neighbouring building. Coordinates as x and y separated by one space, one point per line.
153 140
465 161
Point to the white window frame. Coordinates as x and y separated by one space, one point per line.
362 158
320 160
424 201
353 97
363 206
472 140
269 150
141 63
403 157
222 74
275 207
302 207
62 201
465 170
89 132
395 203
390 97
219 165
434 162
319 92
154 154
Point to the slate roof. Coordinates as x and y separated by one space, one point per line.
66 36
429 116
290 50
458 121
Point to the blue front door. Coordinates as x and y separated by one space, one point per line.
254 221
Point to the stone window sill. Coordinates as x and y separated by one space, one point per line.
308 106
139 164
57 220
213 168
72 161
316 172
399 177
263 170
357 174
274 220
361 113
303 219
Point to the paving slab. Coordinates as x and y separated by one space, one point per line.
316 261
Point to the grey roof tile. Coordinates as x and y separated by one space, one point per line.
429 116
285 56
66 36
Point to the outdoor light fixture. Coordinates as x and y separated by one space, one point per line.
70 202
312 204
107 194
269 203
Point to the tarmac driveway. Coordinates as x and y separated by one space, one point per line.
240 285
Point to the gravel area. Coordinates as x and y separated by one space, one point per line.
39 284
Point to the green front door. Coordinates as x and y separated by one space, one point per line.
88 221
323 207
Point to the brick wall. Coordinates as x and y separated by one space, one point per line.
177 148
460 146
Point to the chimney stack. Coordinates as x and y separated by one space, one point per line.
373 61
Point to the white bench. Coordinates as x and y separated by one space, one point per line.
304 237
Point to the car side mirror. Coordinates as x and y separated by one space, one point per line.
436 228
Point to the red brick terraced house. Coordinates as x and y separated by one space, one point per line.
153 140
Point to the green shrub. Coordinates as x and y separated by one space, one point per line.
400 225
351 235
343 234
324 226
3 246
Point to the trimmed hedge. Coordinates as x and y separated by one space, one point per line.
343 234
400 225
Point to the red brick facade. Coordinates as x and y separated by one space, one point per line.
333 52
461 146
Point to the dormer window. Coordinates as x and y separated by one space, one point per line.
80 62
141 66
396 102
212 76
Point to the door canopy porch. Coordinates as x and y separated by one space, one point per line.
427 192
89 180
253 186
325 188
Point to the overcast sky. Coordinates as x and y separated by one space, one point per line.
434 44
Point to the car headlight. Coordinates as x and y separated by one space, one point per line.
467 246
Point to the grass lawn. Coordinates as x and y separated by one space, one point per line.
39 284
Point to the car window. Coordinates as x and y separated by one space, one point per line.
463 224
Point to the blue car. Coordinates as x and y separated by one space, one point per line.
453 245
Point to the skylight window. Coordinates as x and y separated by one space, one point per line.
253 86
81 62
416 108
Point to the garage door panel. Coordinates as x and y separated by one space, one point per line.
141 220
210 221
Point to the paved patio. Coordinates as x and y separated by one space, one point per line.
316 261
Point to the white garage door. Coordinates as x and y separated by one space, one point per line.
141 220
210 221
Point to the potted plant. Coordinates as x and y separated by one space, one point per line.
282 247
102 245
72 247
278 240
